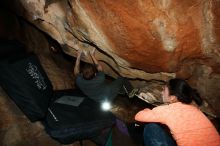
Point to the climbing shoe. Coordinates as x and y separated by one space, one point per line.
133 93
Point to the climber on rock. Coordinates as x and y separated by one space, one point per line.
91 81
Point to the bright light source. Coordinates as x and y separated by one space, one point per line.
106 105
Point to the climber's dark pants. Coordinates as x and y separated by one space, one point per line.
119 86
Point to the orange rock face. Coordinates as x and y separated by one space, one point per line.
154 37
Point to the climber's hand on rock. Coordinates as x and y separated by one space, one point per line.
92 52
79 53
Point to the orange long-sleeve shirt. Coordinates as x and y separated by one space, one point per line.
188 125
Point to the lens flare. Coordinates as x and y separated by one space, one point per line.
106 105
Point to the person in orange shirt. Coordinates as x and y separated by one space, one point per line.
187 124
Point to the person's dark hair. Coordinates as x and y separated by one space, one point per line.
88 71
184 93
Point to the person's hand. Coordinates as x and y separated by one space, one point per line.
92 52
79 53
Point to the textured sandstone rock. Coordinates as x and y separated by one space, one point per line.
142 34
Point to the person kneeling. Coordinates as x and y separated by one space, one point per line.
187 124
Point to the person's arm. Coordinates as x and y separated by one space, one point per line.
77 64
154 115
95 61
